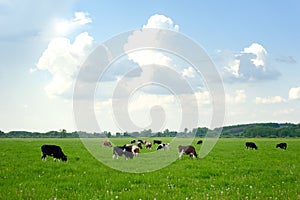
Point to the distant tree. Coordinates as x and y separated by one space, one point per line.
118 134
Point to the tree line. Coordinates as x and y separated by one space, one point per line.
271 130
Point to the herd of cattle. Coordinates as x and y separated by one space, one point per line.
133 149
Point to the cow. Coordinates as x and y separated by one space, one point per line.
141 141
282 145
106 143
187 150
135 150
132 141
251 145
148 145
199 142
157 141
122 150
163 146
54 151
139 144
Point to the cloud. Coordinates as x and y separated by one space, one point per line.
188 72
286 59
161 22
251 64
239 97
147 57
294 93
64 27
159 59
62 60
259 52
269 100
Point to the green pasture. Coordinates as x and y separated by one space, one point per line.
229 171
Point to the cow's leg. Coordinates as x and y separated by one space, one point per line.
44 157
180 154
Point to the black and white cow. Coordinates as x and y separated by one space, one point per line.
157 141
132 141
187 150
54 151
123 150
163 146
141 141
282 145
139 144
251 145
199 142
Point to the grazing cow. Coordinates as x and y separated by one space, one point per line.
157 141
122 150
251 145
187 150
163 146
135 150
282 145
132 141
139 144
106 143
54 151
148 145
199 142
141 141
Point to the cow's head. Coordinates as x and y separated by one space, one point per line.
64 158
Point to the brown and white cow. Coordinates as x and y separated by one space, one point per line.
187 150
106 143
148 145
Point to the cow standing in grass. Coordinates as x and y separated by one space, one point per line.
123 150
282 145
163 146
157 141
251 145
54 151
187 150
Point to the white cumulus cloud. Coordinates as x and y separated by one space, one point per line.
144 56
239 97
161 22
63 59
294 93
269 100
250 64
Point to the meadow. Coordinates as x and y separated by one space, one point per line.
229 171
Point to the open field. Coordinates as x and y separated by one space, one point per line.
228 172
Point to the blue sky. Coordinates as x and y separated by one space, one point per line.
255 46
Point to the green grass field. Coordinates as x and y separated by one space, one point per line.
228 172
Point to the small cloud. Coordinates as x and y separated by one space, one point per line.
286 59
32 70
269 100
260 54
161 22
239 97
64 27
294 93
188 72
